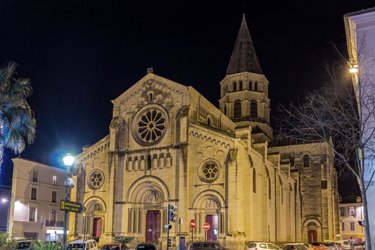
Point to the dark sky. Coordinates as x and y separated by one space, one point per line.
80 55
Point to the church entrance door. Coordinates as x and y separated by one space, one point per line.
97 227
213 233
312 236
153 225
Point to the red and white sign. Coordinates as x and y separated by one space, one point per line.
192 223
206 226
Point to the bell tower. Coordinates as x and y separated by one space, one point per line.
244 89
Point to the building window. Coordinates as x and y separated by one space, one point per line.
52 216
54 197
342 226
234 86
256 86
32 214
35 176
209 172
269 188
254 181
250 85
209 121
54 180
352 226
352 211
306 161
96 179
240 83
324 184
253 109
237 108
281 194
150 96
33 193
342 211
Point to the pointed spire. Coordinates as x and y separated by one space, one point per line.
244 57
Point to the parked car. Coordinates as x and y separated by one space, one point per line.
82 245
345 244
206 245
330 245
145 246
359 246
112 246
319 246
24 244
252 245
297 246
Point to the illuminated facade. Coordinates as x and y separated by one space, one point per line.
34 208
168 144
351 213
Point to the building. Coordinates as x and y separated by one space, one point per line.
351 216
36 193
4 207
360 37
168 144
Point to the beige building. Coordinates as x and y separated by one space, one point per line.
36 193
168 144
351 214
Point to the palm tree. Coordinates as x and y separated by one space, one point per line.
17 122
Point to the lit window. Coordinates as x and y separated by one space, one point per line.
54 180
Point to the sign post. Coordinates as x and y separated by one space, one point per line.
192 226
206 227
70 206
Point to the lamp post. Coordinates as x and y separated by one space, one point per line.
68 162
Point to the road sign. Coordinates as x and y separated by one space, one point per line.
192 223
206 226
71 206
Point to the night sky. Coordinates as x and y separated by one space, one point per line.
80 55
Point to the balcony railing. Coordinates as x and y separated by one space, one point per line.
54 223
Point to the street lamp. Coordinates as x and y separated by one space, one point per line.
68 162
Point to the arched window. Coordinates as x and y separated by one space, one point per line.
254 181
209 121
150 96
234 86
256 86
237 109
240 83
306 161
253 109
269 188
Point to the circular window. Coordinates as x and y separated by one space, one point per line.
96 179
150 126
209 172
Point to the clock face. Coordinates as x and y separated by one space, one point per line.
150 125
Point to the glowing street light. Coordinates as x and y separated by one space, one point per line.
4 200
68 162
353 69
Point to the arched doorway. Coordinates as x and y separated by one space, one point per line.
208 209
147 210
312 230
93 223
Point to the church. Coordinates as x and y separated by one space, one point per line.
167 144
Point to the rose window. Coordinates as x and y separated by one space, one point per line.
209 172
96 179
151 126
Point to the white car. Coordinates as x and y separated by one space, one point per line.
82 245
254 245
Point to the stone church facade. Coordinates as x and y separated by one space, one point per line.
168 144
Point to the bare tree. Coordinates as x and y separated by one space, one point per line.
338 114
